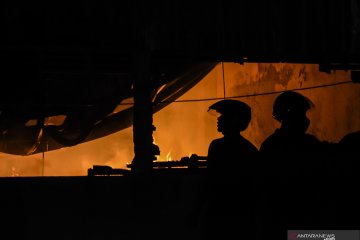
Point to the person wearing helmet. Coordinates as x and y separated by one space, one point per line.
231 155
230 164
289 149
291 158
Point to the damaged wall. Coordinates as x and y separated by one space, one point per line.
336 108
188 128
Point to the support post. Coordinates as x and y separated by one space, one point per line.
143 121
143 127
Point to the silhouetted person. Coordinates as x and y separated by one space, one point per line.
293 163
227 193
232 155
290 150
349 147
348 160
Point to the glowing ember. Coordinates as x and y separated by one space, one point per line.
14 172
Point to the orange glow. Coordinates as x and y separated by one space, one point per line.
14 172
187 126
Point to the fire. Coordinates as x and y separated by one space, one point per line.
166 158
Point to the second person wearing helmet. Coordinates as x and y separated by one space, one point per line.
290 150
292 159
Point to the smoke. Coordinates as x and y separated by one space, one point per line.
183 128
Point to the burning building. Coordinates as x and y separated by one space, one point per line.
85 84
185 127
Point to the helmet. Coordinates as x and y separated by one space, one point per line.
240 111
288 103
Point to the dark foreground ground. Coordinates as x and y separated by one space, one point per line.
162 206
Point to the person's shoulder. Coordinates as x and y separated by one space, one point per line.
350 141
311 138
351 138
250 145
269 140
216 142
